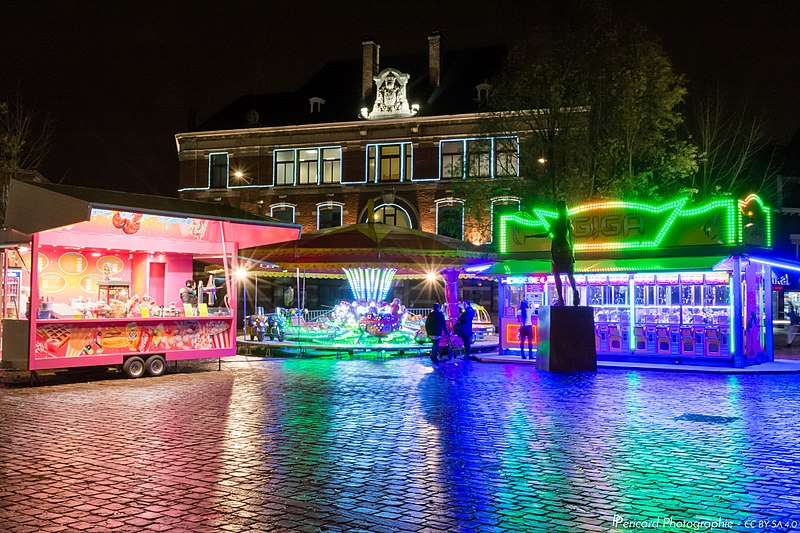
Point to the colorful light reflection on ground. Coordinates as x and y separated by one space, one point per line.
399 446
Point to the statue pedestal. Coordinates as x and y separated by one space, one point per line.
566 340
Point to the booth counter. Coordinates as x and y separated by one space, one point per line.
108 274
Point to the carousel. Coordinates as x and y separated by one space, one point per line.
369 258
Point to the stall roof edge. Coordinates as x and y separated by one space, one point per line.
32 205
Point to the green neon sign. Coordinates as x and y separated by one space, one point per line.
617 225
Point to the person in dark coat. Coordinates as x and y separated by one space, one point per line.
465 327
435 327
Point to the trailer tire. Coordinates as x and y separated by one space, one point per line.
155 365
133 367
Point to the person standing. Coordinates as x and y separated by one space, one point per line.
465 327
561 251
435 327
189 293
794 323
525 329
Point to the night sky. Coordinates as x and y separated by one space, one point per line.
116 78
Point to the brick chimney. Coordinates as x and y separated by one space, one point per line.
370 63
435 58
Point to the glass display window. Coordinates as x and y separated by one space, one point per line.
657 304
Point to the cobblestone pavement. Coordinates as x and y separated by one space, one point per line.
325 445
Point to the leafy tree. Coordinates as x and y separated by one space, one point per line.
596 103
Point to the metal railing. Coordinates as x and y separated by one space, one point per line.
315 314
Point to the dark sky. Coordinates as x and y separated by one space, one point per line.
116 78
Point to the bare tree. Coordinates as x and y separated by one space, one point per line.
24 140
731 144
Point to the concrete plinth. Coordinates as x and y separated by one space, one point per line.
566 340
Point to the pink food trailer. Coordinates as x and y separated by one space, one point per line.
107 273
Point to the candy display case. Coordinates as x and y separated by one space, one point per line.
106 279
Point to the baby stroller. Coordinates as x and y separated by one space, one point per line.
451 348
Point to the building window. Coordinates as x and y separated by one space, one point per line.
480 158
308 166
389 162
329 215
283 212
505 205
331 165
452 161
392 215
218 168
450 218
284 167
505 157
484 158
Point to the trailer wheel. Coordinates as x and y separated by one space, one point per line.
155 365
133 367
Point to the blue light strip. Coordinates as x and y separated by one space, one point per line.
794 267
631 310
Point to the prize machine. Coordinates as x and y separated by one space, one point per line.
686 314
657 325
609 297
679 281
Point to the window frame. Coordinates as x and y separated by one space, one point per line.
491 156
211 167
331 204
444 202
508 200
373 166
497 154
292 164
337 167
396 207
296 163
284 205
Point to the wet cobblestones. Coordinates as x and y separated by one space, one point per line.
325 445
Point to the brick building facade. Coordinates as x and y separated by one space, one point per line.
398 132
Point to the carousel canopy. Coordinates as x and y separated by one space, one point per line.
369 246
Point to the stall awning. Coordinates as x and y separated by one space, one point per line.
35 207
518 267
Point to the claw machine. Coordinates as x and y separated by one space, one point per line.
105 285
683 282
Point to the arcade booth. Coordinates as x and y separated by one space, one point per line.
101 278
679 282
